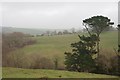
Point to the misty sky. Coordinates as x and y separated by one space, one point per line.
55 15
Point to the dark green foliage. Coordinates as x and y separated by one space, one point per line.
118 48
118 27
81 57
98 23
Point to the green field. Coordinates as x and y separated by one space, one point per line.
55 46
44 73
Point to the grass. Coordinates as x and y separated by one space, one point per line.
55 46
44 73
109 40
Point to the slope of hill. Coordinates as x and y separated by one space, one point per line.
55 46
46 73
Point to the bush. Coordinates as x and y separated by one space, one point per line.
39 62
13 59
31 61
107 62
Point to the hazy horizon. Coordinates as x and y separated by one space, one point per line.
55 15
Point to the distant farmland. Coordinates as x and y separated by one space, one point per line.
55 46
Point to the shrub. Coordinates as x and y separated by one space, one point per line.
107 62
33 61
39 62
14 59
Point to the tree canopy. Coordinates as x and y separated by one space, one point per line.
97 24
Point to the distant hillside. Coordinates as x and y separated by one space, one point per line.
24 30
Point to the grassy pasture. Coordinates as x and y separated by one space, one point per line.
55 46
46 73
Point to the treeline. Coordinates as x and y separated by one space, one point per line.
62 32
71 31
13 41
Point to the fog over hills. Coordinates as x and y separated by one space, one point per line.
23 30
32 31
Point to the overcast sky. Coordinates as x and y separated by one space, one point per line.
55 15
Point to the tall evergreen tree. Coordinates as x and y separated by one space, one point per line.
97 24
81 58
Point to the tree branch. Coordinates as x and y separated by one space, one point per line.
87 29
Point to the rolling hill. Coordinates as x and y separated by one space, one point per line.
55 46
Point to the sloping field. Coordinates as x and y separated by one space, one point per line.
55 46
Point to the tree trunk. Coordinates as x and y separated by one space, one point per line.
98 43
